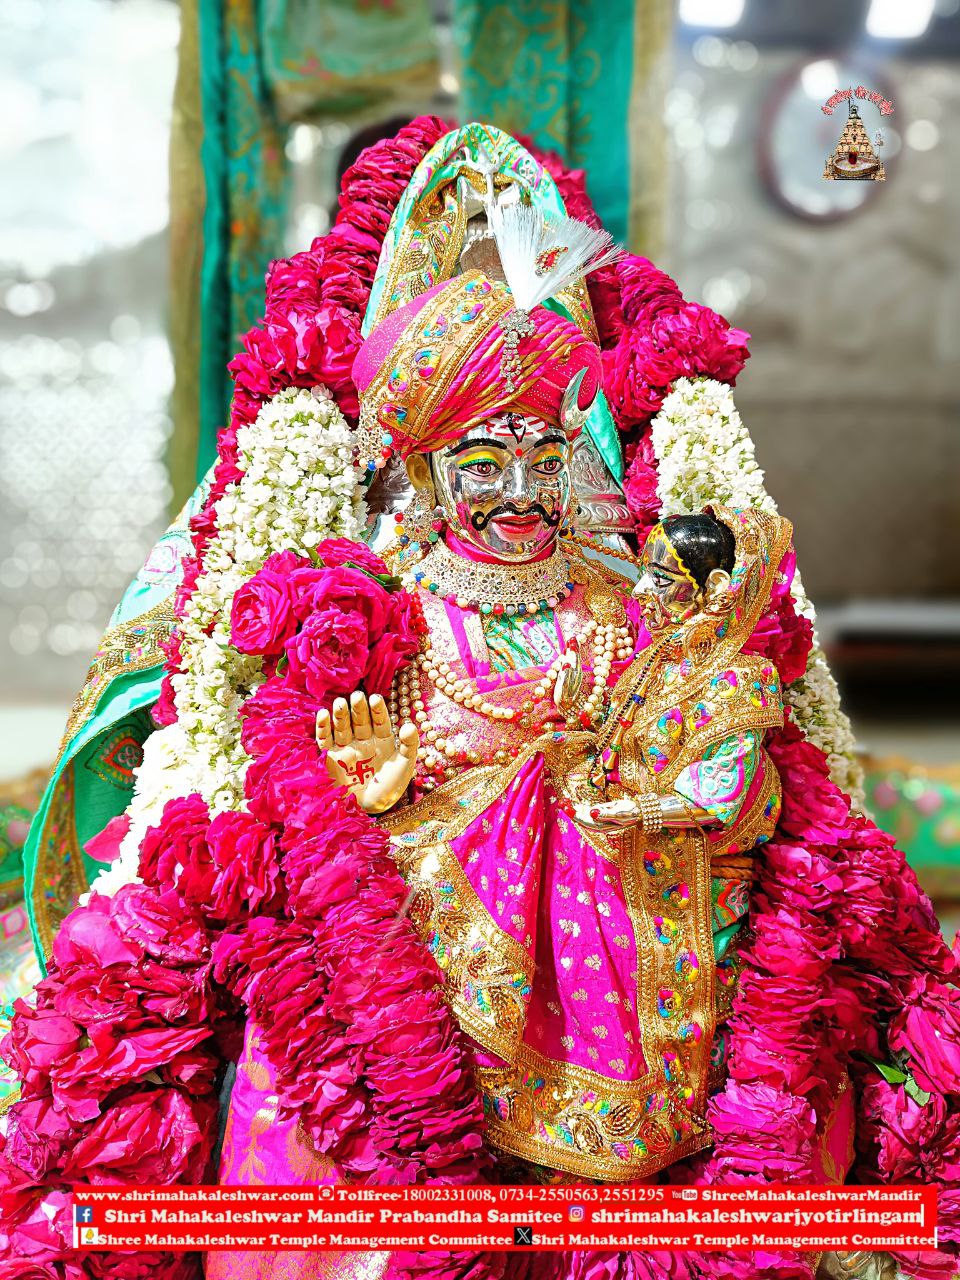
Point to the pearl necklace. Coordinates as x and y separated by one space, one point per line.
406 697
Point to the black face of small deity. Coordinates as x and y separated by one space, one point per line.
679 556
505 487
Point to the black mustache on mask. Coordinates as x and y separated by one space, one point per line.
480 521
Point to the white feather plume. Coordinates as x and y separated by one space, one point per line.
523 237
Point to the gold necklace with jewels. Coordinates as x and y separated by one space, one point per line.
490 587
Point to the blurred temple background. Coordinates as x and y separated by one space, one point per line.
156 156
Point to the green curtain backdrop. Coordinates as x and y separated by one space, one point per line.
247 70
585 78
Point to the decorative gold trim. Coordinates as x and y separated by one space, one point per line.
777 533
487 973
437 225
749 826
128 647
564 1116
7 1102
59 876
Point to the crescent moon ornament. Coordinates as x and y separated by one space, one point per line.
572 417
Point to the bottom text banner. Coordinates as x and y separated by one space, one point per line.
321 1218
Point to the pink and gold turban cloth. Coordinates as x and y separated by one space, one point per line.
433 369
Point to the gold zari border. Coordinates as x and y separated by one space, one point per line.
129 647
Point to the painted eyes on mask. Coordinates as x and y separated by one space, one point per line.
659 578
551 464
485 467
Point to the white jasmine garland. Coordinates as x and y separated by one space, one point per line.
298 488
705 454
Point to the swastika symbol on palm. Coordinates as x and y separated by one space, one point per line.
359 772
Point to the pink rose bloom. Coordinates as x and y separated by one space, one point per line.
155 1135
814 808
248 872
645 289
702 342
394 648
21 1269
329 653
261 618
91 938
114 1058
175 852
105 847
323 864
916 1143
288 782
334 552
130 997
640 483
762 1131
143 1266
38 1041
463 1264
927 1030
159 925
37 1136
349 590
887 920
36 1226
786 638
926 1264
634 399
278 711
293 282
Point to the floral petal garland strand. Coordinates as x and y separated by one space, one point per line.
841 936
295 486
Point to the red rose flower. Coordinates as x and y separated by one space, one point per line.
349 590
159 924
394 647
334 552
175 851
927 1030
261 618
152 1136
37 1136
248 872
328 655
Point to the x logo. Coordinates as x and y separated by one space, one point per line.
523 1235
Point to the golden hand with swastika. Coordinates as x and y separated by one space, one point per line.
364 755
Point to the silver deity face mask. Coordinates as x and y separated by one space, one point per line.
505 487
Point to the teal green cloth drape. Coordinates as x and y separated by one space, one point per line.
583 78
229 185
247 69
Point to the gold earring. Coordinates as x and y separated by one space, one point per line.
420 524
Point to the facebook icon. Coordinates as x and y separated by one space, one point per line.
83 1213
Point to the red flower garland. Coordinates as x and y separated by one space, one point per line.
121 1060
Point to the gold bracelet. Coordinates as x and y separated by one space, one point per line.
651 814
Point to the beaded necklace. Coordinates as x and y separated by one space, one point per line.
494 588
585 710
